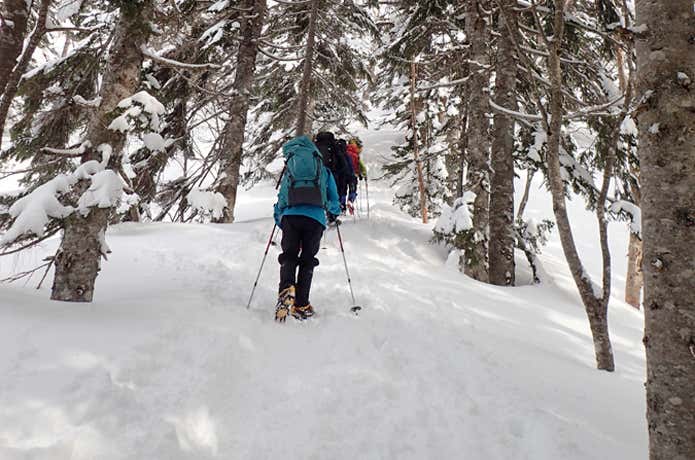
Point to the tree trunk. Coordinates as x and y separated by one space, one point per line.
595 303
634 278
530 172
414 128
452 160
14 15
474 261
633 283
305 85
12 82
666 71
501 253
78 258
233 132
463 148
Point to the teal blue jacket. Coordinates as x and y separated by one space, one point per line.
315 212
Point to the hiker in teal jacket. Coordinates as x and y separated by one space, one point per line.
302 224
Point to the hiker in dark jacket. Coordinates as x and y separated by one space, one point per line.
300 212
347 175
333 159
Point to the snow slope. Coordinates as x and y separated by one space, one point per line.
168 364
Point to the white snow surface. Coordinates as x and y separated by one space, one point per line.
167 363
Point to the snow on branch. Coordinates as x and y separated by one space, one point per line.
525 118
74 152
207 202
156 143
595 110
135 105
79 100
33 212
293 3
104 192
456 219
218 6
444 84
631 210
172 63
278 58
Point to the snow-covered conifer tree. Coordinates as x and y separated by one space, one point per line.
83 244
421 59
81 201
339 73
574 87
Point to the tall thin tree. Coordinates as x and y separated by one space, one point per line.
474 261
595 299
414 128
233 134
501 251
305 85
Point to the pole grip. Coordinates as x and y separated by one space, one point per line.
277 184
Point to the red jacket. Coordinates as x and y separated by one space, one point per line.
354 155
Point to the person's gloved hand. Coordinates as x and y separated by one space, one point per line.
333 219
360 177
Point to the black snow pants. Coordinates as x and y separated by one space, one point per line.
301 241
342 185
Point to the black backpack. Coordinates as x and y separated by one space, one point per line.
325 142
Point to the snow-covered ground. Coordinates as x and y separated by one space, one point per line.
168 364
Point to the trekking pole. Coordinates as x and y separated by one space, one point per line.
361 198
366 186
355 308
267 247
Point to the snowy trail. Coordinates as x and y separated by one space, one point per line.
168 364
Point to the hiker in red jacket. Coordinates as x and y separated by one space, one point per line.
354 156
